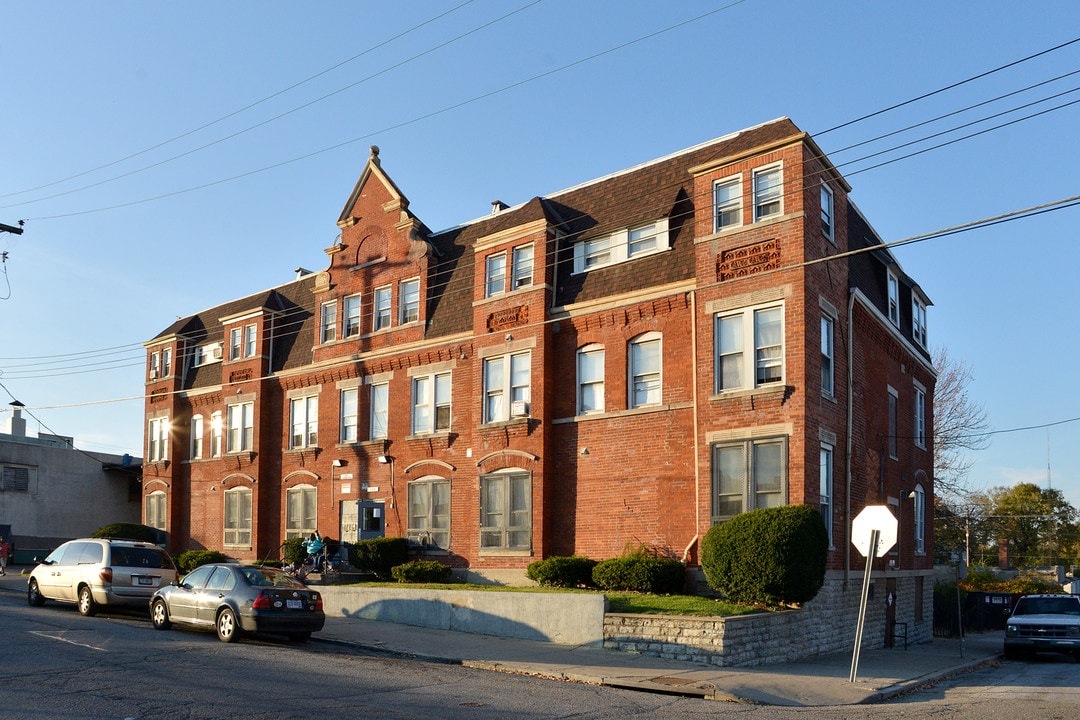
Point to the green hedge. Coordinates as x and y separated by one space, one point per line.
191 559
422 571
379 555
771 556
127 531
568 572
641 573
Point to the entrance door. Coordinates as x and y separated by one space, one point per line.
890 612
362 520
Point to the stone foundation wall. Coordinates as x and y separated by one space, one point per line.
824 625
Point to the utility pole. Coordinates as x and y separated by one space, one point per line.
12 229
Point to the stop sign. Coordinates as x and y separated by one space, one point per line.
874 517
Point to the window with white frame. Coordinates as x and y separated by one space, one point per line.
196 437
240 420
250 335
409 300
748 475
380 408
431 403
920 520
825 491
750 348
238 517
894 298
590 375
507 381
620 246
827 212
506 510
155 365
918 320
328 322
236 346
768 192
727 203
157 436
429 512
920 416
197 358
382 308
521 270
495 274
894 401
301 515
351 310
828 363
304 420
155 510
216 427
166 362
350 404
646 386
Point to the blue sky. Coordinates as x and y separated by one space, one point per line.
154 148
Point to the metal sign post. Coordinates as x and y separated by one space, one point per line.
873 533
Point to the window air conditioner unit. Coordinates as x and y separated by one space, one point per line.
519 408
153 374
216 352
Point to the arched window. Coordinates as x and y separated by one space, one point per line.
429 512
301 515
506 510
238 517
155 510
645 374
590 379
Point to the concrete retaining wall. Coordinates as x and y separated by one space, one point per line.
571 619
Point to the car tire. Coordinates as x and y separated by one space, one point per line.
300 637
87 606
33 594
159 615
227 628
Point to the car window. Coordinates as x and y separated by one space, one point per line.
90 553
222 579
198 577
279 578
143 557
56 557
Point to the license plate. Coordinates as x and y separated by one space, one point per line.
146 581
294 604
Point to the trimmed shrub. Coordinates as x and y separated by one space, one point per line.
772 556
641 573
568 572
379 555
191 559
422 571
128 531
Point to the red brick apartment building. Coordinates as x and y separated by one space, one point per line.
623 363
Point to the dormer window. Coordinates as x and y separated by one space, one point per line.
918 320
620 246
894 298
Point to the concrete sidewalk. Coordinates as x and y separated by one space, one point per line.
818 681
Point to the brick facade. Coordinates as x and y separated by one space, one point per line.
560 377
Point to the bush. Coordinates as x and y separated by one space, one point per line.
641 572
293 551
422 571
568 572
379 555
128 531
771 556
986 581
191 559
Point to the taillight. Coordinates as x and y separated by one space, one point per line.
262 602
318 601
105 574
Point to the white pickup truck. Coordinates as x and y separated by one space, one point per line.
1044 623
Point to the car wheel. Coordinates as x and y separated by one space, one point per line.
300 636
87 606
33 594
159 614
227 631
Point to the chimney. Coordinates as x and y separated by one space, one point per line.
1004 556
17 425
497 206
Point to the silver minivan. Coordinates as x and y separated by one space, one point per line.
92 572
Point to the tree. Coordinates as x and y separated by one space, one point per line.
960 426
1039 524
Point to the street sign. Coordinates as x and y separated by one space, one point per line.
874 517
